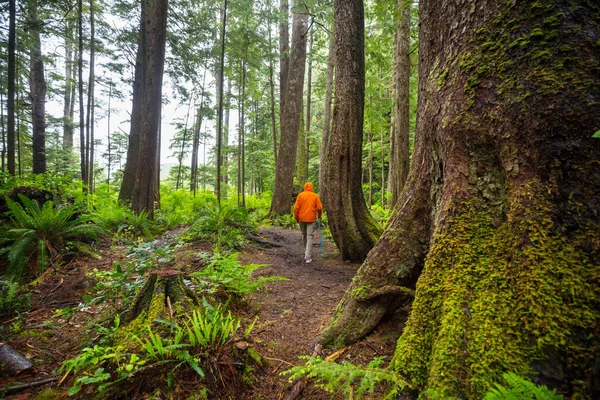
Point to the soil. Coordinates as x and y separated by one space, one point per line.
291 313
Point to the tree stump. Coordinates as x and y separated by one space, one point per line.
165 295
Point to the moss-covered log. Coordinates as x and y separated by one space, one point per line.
501 210
165 295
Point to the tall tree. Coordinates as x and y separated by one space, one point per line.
284 53
499 219
220 97
291 120
399 138
89 136
37 92
82 137
154 28
327 107
10 102
68 97
353 228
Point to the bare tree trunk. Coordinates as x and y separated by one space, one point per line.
82 136
183 141
90 104
301 171
308 100
499 219
108 134
353 228
130 171
399 138
220 110
284 171
284 55
68 99
196 144
155 26
3 154
327 111
10 104
37 92
272 87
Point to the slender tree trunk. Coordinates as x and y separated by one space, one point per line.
130 171
352 227
226 110
3 131
272 87
89 148
291 120
327 111
108 134
10 103
301 171
183 141
382 170
196 144
308 103
284 54
399 138
68 99
155 27
19 84
370 136
499 219
82 136
220 108
37 93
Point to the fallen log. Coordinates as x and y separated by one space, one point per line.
12 362
20 388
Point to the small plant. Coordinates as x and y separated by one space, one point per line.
521 389
211 329
348 378
10 298
42 231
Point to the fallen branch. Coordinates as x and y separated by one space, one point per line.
298 386
20 388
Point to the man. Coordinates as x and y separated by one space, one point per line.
307 209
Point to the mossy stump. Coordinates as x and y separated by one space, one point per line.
165 295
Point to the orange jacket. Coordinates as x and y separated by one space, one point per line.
308 205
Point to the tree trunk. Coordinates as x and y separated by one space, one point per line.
89 139
67 118
108 136
308 101
196 143
3 154
37 93
241 172
130 170
284 55
301 171
82 136
272 92
183 142
290 121
327 111
500 209
219 148
10 103
399 138
352 227
154 25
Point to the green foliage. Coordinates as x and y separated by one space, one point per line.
10 298
211 329
347 378
225 273
38 231
521 389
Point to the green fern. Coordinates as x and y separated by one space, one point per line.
521 389
40 232
348 378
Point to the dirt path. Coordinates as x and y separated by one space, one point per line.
293 312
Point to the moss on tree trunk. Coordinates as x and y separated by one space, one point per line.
501 211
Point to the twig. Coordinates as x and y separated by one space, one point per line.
277 359
20 388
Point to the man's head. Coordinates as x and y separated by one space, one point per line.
308 187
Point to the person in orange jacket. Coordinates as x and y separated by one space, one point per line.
307 209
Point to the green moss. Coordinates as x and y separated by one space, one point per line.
361 291
442 78
496 299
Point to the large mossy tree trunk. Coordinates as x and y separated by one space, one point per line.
291 117
500 219
353 228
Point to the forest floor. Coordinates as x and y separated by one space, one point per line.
291 313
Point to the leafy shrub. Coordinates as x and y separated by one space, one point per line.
10 298
38 231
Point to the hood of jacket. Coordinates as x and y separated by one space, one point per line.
308 187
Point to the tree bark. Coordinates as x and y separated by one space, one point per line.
353 228
130 170
301 171
10 102
308 104
155 27
290 121
500 209
89 147
68 99
399 138
327 111
196 144
37 93
219 158
272 92
284 55
82 136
